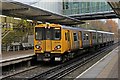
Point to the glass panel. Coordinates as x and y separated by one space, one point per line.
48 34
87 36
75 36
57 34
39 33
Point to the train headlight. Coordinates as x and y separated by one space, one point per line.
37 46
58 47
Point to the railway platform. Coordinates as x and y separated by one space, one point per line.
13 57
107 67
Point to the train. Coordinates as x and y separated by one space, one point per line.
55 42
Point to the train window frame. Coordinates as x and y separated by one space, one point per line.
48 35
75 36
94 36
55 38
84 36
42 31
67 36
87 36
99 35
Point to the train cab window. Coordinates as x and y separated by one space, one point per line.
39 33
75 36
57 34
48 34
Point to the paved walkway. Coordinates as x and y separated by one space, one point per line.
107 67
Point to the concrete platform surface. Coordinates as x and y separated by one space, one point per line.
107 67
11 55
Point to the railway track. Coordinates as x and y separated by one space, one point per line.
61 71
58 71
24 72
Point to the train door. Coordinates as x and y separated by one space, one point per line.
86 37
80 39
69 44
67 38
75 40
91 39
48 37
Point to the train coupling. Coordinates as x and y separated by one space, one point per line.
47 55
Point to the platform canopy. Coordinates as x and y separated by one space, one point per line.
24 11
115 6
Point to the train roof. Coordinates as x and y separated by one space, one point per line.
73 28
92 30
81 29
105 32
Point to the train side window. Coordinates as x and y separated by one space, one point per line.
68 35
65 36
84 37
99 36
87 37
94 36
75 36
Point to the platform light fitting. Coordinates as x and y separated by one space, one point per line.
3 16
29 20
17 18
39 22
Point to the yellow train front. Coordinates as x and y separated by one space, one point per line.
48 42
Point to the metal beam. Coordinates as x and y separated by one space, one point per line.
15 10
93 16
